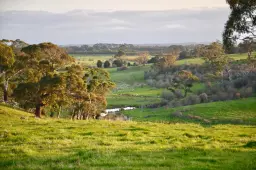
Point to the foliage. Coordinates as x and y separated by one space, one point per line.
119 54
106 64
241 23
87 88
118 63
7 60
154 59
183 80
166 62
37 94
214 54
99 63
6 57
142 58
40 85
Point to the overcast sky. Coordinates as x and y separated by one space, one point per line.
113 21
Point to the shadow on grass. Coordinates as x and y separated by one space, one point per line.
130 159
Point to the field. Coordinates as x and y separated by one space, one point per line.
92 59
217 135
229 112
29 143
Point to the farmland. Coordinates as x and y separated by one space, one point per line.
28 143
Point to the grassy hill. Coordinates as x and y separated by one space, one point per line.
235 112
29 143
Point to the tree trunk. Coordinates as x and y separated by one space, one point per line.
73 115
5 96
6 84
38 111
59 112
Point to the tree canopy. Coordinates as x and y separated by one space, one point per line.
241 22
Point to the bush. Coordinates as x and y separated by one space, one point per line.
99 64
167 95
162 84
106 64
151 82
246 92
175 104
222 96
241 82
193 99
178 94
118 63
154 59
203 97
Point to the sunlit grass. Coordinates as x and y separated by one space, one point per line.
235 112
31 143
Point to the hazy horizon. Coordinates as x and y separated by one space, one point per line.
76 23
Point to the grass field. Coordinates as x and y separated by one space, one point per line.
241 111
30 143
219 135
92 59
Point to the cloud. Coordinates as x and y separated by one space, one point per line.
90 26
174 26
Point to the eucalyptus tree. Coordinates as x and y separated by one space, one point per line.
38 94
6 63
241 24
183 80
214 54
87 88
41 84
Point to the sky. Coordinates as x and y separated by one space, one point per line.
113 21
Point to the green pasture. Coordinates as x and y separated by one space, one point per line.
29 143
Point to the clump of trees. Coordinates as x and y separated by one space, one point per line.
118 63
142 58
37 83
214 54
222 77
165 62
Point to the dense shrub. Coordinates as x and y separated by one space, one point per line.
193 99
203 97
246 92
174 103
222 96
99 64
118 63
154 59
162 84
167 95
106 64
178 94
151 82
241 82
